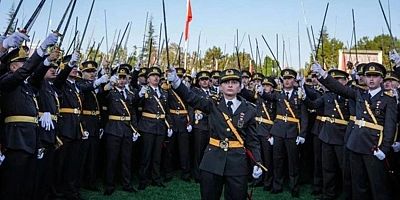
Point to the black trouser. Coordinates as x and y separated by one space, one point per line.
151 158
17 175
179 142
369 177
118 147
211 186
88 160
44 177
266 156
283 148
317 183
332 160
347 190
67 166
201 139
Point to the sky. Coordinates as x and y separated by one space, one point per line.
217 20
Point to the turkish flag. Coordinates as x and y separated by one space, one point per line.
188 19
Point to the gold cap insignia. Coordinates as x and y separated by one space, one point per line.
229 72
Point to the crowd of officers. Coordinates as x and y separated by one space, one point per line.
66 122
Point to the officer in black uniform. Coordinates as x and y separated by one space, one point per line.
49 105
373 132
201 132
177 146
154 124
90 118
314 91
70 128
20 109
335 119
120 130
214 83
232 128
288 131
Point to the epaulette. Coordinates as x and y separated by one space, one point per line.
359 86
278 90
215 97
252 104
389 93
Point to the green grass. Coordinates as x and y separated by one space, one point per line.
177 189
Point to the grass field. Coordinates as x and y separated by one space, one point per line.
177 189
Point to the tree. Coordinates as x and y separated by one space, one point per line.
380 42
328 52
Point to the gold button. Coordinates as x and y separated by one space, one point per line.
334 109
365 112
228 129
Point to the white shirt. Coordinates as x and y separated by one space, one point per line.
156 90
288 91
374 91
123 91
235 105
206 91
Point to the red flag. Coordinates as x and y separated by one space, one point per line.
188 19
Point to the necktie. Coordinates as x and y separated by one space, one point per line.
156 91
229 104
287 95
208 93
122 94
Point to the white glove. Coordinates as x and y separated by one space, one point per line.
170 132
198 116
101 132
189 128
85 135
40 153
2 158
257 172
300 140
394 57
193 74
271 140
74 59
173 78
114 79
137 67
396 146
135 136
143 91
260 89
301 93
318 69
379 154
99 81
15 40
46 121
51 40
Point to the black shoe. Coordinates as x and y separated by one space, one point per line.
129 189
273 191
142 186
295 193
267 188
108 192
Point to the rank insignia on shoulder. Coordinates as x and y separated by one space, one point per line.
389 93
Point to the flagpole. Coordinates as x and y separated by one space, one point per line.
185 56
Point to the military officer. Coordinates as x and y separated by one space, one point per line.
372 136
154 125
120 130
288 131
232 127
20 110
334 123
